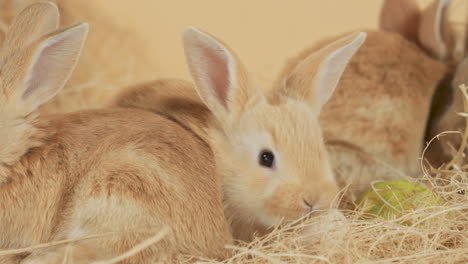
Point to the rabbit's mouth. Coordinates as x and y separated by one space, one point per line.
278 212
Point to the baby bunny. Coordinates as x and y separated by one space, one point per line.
99 71
268 147
124 171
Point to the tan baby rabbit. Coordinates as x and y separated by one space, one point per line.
268 146
86 173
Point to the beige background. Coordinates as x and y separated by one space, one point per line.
263 32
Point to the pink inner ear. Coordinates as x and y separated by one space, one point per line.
218 72
44 68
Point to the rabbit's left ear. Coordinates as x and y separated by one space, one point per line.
315 78
32 23
220 78
40 71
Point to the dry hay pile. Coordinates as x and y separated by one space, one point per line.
437 234
97 76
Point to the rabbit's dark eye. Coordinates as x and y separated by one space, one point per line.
266 159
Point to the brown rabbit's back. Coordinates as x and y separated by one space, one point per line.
140 160
383 98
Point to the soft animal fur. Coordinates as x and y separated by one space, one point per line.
446 116
240 122
374 124
380 109
118 170
392 95
449 47
99 74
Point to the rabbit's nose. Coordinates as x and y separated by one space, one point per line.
308 204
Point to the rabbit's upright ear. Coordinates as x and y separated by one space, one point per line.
401 16
220 79
315 78
37 73
32 23
434 32
429 28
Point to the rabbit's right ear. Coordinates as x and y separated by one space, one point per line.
32 23
429 28
220 79
401 16
434 30
38 73
314 79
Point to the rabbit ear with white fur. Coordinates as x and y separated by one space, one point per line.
42 69
34 22
315 78
434 31
429 27
221 80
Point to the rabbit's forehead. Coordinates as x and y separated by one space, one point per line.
289 127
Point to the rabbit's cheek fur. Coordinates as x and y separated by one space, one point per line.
292 201
286 201
301 170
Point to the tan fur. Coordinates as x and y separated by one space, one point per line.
99 74
87 173
383 101
408 19
389 121
178 100
170 97
239 122
448 100
157 175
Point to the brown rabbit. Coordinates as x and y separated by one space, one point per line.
449 47
117 170
97 75
446 118
374 125
130 170
377 119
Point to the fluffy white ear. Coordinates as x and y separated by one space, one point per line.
434 32
50 64
220 78
32 23
315 78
